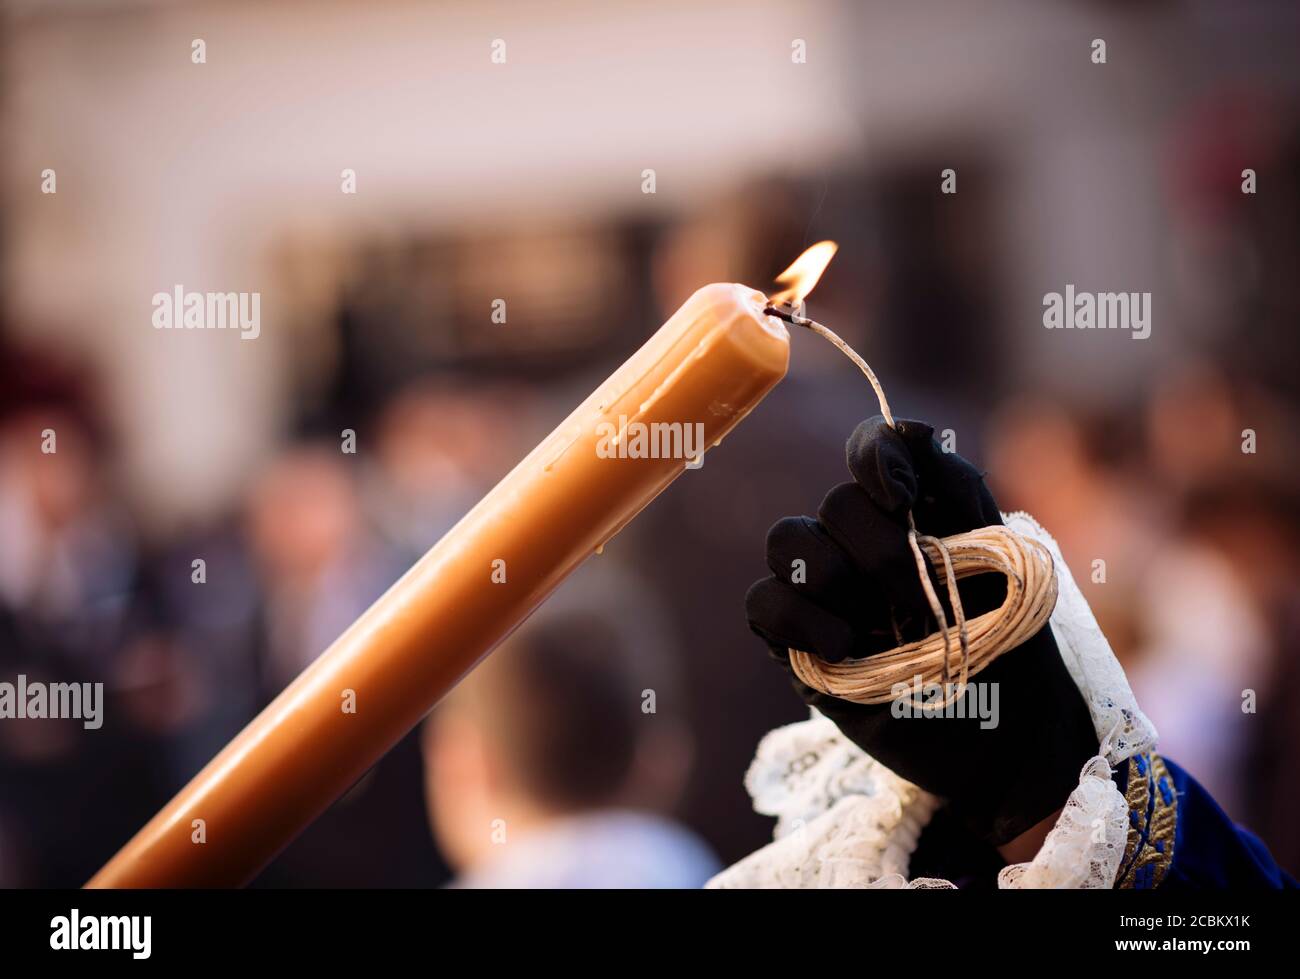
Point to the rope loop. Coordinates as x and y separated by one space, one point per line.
1031 596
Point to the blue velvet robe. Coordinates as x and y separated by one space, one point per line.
1178 838
1209 849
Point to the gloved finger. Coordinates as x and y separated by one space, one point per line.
953 497
876 541
801 553
951 493
946 494
784 618
881 463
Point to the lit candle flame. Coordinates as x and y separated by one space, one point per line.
804 272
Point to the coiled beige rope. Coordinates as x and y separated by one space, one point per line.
1031 596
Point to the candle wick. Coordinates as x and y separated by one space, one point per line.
788 314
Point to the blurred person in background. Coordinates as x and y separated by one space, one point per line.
1245 530
69 568
552 764
1218 579
440 446
69 558
1224 633
318 564
1062 464
1205 642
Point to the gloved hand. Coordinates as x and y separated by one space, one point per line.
860 581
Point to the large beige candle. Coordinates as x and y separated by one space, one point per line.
707 367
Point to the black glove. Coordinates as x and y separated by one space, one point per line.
860 583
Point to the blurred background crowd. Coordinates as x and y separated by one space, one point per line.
523 181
